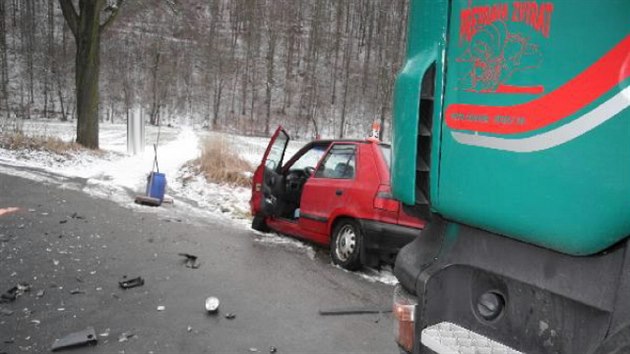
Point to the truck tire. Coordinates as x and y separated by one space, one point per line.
346 243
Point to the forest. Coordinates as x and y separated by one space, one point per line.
318 67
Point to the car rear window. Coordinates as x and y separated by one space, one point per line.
387 154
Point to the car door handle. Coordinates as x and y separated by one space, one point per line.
338 192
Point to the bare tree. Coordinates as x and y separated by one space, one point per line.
87 28
4 59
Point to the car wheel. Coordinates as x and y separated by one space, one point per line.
346 243
259 224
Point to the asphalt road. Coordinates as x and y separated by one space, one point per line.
62 240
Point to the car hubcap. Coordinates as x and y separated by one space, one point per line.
346 243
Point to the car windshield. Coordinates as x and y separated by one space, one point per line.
310 158
387 154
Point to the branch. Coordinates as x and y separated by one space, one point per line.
70 14
115 9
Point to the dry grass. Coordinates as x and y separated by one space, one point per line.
220 163
20 141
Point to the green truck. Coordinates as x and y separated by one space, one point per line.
512 136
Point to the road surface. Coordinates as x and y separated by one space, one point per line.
63 241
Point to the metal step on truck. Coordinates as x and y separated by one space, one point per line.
512 137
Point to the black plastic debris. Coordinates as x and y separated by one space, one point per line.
63 221
76 291
131 283
191 260
77 339
13 293
353 311
77 216
230 316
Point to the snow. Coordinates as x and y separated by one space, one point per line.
115 175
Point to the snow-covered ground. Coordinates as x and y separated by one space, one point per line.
115 175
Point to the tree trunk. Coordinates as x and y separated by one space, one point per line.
87 73
271 52
4 68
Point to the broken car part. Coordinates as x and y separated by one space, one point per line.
191 260
131 283
84 337
13 293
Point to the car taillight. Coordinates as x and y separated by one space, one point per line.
385 200
404 318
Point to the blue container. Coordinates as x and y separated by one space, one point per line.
156 184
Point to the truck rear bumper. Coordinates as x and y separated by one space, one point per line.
528 298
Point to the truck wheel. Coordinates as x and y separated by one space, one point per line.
345 245
259 224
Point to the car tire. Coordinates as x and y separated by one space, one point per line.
346 243
259 224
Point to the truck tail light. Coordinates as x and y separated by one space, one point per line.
384 199
404 319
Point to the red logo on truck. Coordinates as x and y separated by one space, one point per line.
494 53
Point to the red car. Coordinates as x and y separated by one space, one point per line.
335 193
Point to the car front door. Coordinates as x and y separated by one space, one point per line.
327 189
272 182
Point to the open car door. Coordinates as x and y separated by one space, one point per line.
273 184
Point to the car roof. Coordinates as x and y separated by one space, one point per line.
364 141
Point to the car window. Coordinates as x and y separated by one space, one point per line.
274 159
340 162
387 154
310 158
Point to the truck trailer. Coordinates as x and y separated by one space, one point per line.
511 135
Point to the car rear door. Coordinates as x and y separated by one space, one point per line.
328 188
271 165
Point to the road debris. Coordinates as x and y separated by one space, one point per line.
6 211
125 336
212 304
40 293
131 283
191 260
161 308
77 339
76 291
253 350
189 329
353 311
230 316
15 292
272 349
5 312
36 322
77 216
